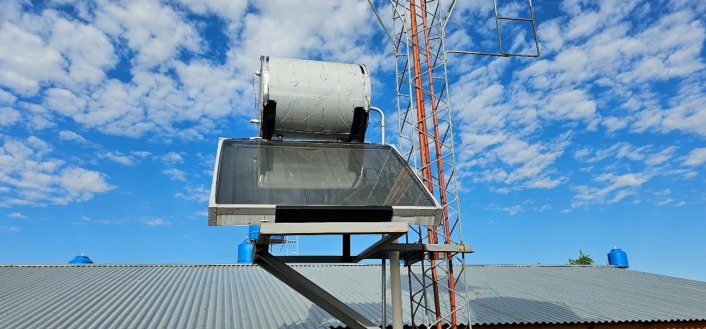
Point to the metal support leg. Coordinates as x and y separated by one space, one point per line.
347 247
312 291
384 293
396 290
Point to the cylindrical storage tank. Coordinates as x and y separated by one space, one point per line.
618 258
313 100
81 260
254 232
245 250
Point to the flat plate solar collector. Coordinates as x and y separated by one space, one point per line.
258 181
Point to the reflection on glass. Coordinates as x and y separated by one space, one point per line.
306 173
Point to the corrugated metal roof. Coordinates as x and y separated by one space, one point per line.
245 296
579 294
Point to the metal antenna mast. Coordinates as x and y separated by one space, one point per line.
426 141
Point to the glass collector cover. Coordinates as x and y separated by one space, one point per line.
255 177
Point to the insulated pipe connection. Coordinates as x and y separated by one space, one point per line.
382 123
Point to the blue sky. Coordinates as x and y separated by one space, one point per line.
110 114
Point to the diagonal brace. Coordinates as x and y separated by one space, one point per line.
386 240
312 291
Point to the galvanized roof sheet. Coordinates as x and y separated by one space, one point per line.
245 296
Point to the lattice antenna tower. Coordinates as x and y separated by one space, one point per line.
426 140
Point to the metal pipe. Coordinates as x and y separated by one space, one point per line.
382 122
396 290
384 271
384 293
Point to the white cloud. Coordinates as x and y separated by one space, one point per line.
612 188
664 192
517 152
36 63
696 157
125 159
81 184
154 103
70 60
271 29
551 37
16 215
584 24
9 116
626 150
175 174
513 210
231 9
141 154
660 157
155 31
87 51
476 143
688 113
37 116
623 155
512 161
118 158
630 180
623 150
30 176
206 98
625 57
7 98
172 158
545 182
195 193
65 102
665 202
70 136
572 105
680 36
157 222
10 229
613 124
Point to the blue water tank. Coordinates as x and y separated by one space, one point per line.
245 252
254 232
618 258
81 260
